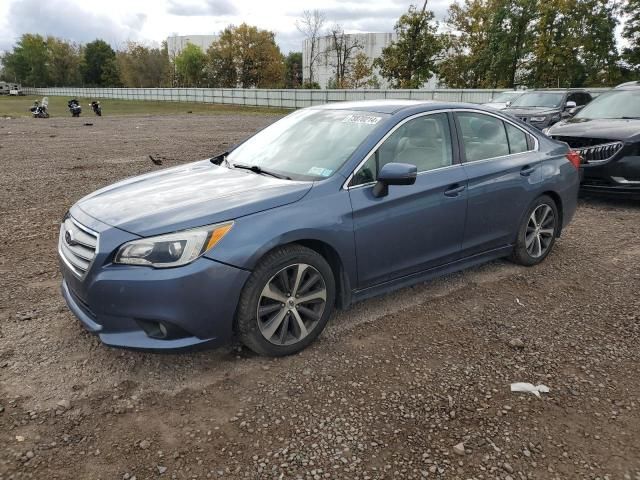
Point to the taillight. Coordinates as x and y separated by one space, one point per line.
575 158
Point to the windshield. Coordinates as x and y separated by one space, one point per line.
308 144
613 104
505 97
538 99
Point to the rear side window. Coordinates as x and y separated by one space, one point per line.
517 139
483 136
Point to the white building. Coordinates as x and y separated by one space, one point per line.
176 43
372 45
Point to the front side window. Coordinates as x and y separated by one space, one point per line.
308 144
424 142
483 136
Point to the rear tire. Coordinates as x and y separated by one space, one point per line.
286 302
538 232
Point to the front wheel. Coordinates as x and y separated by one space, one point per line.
538 232
286 302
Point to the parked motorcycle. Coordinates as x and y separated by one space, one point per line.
97 109
39 110
74 107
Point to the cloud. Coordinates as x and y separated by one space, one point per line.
201 8
68 20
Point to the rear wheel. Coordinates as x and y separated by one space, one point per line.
538 232
286 302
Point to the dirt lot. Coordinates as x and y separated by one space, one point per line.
387 392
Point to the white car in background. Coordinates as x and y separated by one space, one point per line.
504 99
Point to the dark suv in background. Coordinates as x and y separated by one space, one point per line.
606 133
543 108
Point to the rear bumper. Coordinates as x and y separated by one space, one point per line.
198 301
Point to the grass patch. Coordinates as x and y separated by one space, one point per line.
19 107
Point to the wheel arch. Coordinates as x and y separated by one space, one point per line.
558 200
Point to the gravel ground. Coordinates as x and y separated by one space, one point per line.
410 385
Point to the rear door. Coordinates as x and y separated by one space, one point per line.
503 170
414 227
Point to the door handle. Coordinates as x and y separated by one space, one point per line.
527 170
454 190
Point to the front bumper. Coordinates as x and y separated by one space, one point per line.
619 176
196 302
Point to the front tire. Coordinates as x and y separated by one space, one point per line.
287 301
538 232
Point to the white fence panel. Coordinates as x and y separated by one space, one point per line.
278 98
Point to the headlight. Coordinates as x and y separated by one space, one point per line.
538 119
546 131
173 249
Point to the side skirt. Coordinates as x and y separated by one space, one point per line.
430 274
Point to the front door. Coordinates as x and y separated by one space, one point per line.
414 227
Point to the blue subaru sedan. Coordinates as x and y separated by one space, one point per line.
328 206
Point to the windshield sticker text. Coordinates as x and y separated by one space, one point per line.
366 119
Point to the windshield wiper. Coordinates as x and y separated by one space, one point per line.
630 118
260 170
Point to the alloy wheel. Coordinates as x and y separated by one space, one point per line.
291 304
540 231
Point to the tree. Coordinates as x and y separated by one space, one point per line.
631 33
98 68
142 66
410 60
492 41
293 70
63 64
27 63
190 65
340 52
361 72
247 57
310 25
574 44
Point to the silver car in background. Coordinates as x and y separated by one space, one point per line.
504 99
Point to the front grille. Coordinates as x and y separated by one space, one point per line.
523 119
77 246
593 150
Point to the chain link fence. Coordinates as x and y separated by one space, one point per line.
277 98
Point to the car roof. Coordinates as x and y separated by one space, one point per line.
391 106
635 85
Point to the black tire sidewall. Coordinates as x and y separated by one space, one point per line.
246 323
520 254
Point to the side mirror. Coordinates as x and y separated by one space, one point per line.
569 105
394 174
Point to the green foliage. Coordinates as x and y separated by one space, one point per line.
247 57
411 60
310 85
27 63
99 67
293 70
631 33
63 65
190 65
361 72
556 43
142 66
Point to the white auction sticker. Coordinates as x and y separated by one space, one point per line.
366 119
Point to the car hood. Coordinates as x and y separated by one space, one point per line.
536 111
188 196
609 128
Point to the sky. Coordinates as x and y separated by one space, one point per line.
151 21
